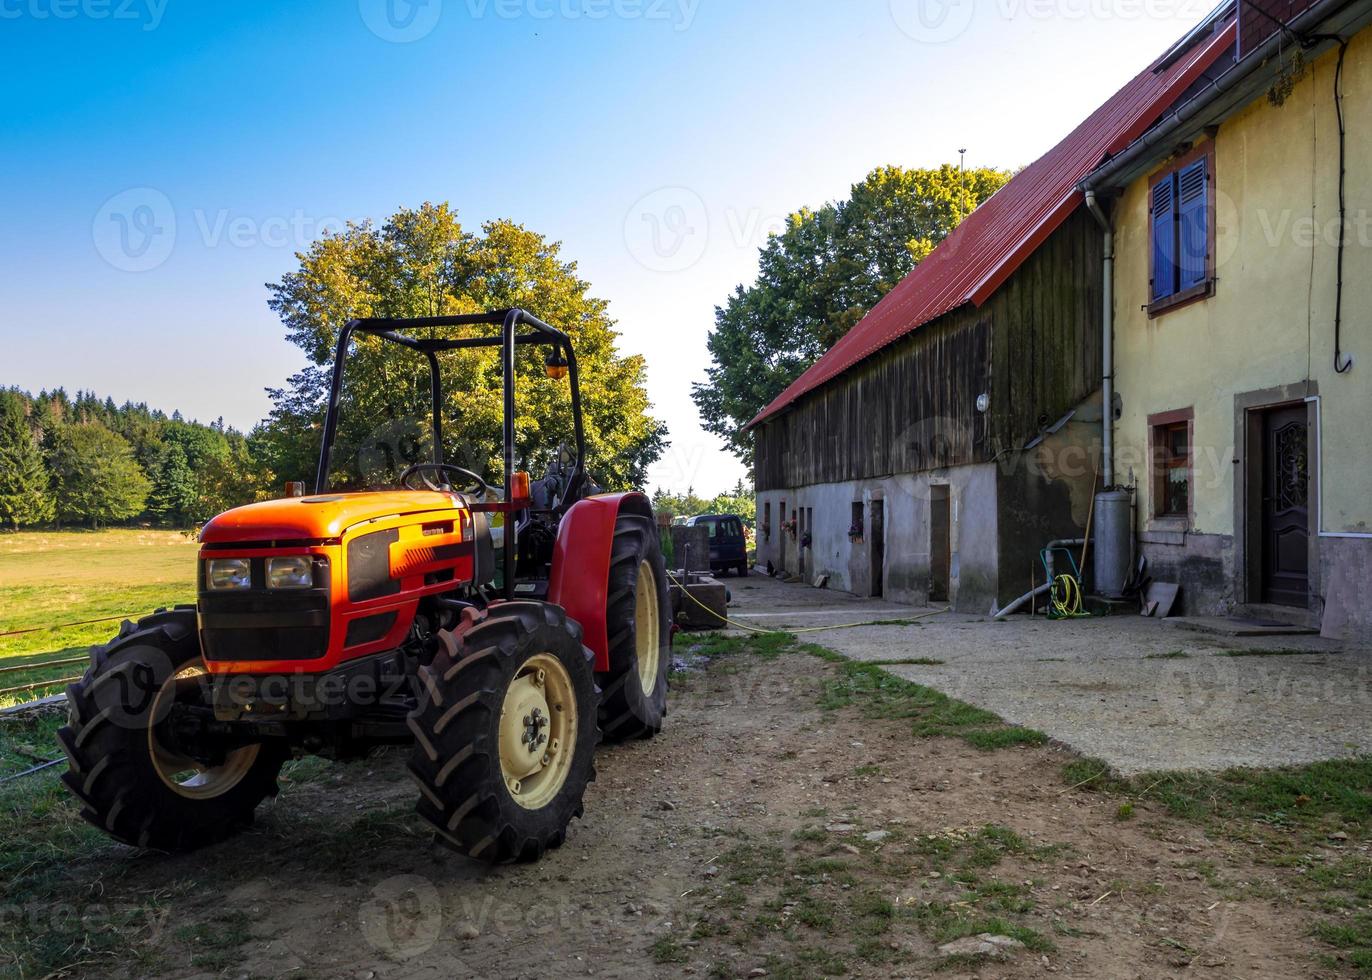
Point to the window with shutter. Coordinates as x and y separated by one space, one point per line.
1181 238
1164 238
1193 240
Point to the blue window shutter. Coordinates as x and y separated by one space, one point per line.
1164 213
1193 237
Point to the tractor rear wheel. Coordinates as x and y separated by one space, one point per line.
505 733
638 623
140 780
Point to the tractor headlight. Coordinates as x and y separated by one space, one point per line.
225 574
296 572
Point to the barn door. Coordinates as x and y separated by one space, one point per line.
1285 529
878 549
940 543
782 535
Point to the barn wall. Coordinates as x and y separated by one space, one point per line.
1034 348
906 501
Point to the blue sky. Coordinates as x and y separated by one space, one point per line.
659 140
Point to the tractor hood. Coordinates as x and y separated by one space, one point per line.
319 518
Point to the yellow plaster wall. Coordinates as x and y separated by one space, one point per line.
1270 321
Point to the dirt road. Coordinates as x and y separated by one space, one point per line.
787 821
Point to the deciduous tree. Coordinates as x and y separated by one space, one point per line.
819 277
97 478
423 263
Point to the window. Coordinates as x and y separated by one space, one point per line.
856 528
722 527
1182 232
767 521
1171 443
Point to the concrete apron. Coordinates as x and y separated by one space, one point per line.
1109 688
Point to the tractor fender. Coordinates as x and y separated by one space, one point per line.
581 564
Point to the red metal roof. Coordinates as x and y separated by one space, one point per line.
995 239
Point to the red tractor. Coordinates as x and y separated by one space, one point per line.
498 632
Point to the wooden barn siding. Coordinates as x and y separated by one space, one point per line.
1034 347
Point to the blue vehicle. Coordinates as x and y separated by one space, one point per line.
728 546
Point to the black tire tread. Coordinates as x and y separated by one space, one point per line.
108 767
456 759
626 713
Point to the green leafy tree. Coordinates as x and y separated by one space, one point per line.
25 490
97 478
423 263
173 497
679 504
235 478
819 277
738 501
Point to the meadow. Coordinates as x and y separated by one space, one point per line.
49 579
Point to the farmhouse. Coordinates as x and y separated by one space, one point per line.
957 429
1242 298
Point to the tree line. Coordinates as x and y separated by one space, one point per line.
739 501
83 460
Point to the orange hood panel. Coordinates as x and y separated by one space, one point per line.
319 518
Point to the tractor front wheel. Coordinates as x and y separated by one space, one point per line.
141 777
638 623
505 733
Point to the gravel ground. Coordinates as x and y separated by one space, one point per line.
1137 693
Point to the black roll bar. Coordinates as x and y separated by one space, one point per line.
509 321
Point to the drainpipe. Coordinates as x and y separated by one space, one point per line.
1107 342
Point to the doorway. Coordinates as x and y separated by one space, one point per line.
940 543
878 548
781 540
1284 531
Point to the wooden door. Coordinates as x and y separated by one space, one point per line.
782 535
940 543
1285 532
878 548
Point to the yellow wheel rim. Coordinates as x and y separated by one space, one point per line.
182 775
538 731
648 641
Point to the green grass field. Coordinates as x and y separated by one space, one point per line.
52 578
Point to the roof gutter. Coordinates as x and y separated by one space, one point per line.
1107 342
1228 93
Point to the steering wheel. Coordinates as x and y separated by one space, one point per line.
476 486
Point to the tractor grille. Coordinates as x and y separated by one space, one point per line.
259 626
